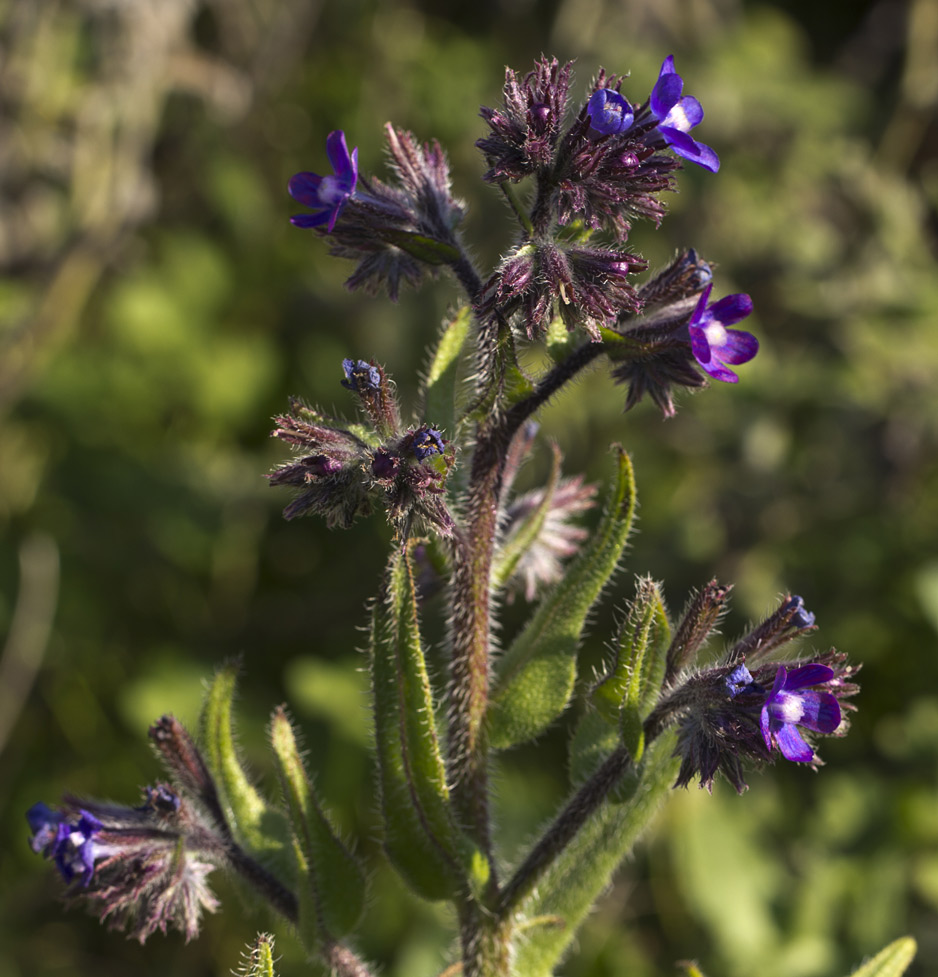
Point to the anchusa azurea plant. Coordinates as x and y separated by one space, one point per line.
660 715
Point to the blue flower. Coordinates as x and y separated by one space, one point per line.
141 868
326 194
609 112
69 841
739 681
360 376
712 344
793 703
801 618
677 115
427 442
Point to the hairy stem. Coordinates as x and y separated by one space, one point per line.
467 276
486 949
263 882
564 829
469 667
549 385
578 810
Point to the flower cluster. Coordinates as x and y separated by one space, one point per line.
599 168
142 868
343 471
595 168
679 334
745 707
394 231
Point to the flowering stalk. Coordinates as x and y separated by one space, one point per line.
444 478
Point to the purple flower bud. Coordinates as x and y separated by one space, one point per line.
326 194
739 681
385 465
802 618
609 112
360 376
161 798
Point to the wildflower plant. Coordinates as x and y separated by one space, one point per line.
660 715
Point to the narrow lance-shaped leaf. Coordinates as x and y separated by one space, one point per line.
256 825
622 698
643 639
536 674
330 882
642 646
567 892
420 835
891 961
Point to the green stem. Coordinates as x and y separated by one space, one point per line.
565 827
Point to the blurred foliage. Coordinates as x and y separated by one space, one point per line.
158 308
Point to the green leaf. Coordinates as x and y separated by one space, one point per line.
256 825
593 740
420 836
892 961
422 247
642 641
536 674
583 870
331 884
440 391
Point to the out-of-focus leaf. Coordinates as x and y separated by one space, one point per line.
891 961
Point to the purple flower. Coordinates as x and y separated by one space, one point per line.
801 618
609 112
428 442
69 841
360 376
793 703
712 344
141 868
740 680
326 194
677 115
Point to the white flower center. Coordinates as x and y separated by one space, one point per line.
716 334
330 190
677 119
787 708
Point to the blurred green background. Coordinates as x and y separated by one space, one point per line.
158 308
